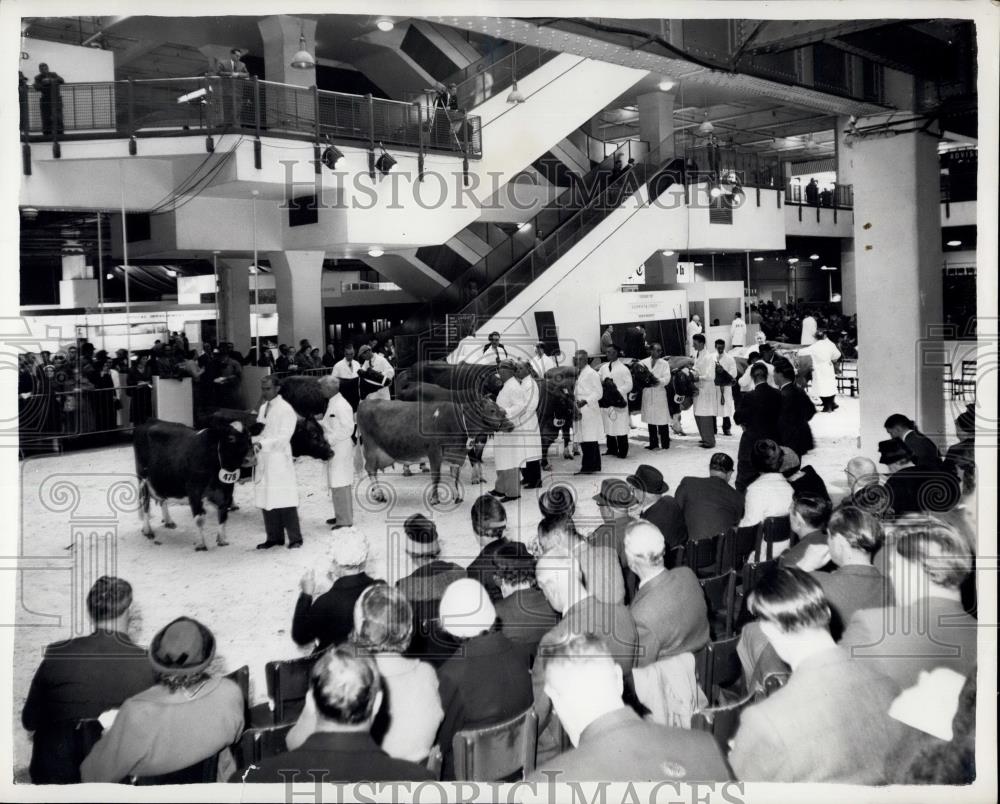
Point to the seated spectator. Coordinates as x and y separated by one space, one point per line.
924 451
770 494
611 743
489 521
488 680
963 454
928 626
830 722
619 507
81 678
669 607
557 500
327 619
864 487
660 508
424 587
916 489
802 479
808 516
710 505
186 717
524 614
406 725
346 694
601 569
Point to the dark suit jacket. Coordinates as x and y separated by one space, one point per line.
481 569
810 483
710 506
621 747
793 419
329 619
79 678
423 588
525 617
341 756
829 723
925 451
922 488
670 615
667 515
758 414
487 681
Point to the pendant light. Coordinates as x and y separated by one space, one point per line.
515 96
303 59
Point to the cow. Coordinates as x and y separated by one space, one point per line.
393 431
174 461
473 379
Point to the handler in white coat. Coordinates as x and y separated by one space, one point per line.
808 331
655 411
589 427
824 377
712 400
509 447
531 473
376 374
274 483
738 332
338 428
616 420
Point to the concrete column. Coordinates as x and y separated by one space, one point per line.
661 270
656 123
298 281
280 35
77 288
848 278
845 175
234 302
897 257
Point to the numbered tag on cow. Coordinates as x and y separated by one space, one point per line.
226 476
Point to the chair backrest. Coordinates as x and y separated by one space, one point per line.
435 762
738 544
288 685
751 573
968 369
204 772
241 676
497 752
703 555
725 669
774 529
674 557
721 721
86 732
258 744
720 595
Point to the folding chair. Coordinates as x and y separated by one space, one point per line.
721 722
703 555
288 685
241 675
720 595
497 752
258 744
725 670
774 530
751 573
738 544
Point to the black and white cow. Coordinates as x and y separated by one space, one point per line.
174 461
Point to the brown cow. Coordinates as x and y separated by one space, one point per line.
393 431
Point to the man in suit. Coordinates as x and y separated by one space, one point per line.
916 489
661 509
601 570
233 67
611 743
347 692
927 627
925 452
864 486
81 678
830 722
329 618
808 517
710 505
757 414
523 611
795 412
669 608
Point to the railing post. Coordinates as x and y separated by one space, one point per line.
420 141
315 94
256 109
371 136
465 149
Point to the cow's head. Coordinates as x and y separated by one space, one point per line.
642 377
563 404
308 440
611 397
235 448
486 416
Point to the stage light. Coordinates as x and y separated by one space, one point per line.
385 162
331 155
375 251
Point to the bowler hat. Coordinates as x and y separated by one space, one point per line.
649 479
182 648
615 493
421 536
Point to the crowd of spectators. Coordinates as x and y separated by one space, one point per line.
784 324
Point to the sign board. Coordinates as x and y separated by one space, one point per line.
656 305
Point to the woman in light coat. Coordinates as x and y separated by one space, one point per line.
824 378
508 448
338 428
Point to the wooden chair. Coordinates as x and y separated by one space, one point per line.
774 530
721 722
497 752
751 573
241 675
967 382
738 544
703 556
720 595
204 772
725 670
258 744
288 685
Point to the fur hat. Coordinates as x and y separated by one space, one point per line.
349 548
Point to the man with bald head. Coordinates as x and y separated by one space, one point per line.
864 486
338 427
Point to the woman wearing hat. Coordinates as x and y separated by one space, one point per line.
186 717
489 521
509 447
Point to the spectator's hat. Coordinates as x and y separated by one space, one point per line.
648 479
421 536
558 500
350 548
184 647
615 493
789 460
466 610
892 450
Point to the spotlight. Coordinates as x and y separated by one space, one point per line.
667 253
385 24
515 96
375 251
385 162
952 243
330 156
666 84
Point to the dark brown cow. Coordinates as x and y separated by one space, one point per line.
393 431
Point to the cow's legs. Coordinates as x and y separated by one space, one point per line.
371 468
455 469
147 529
165 510
476 458
435 460
220 537
198 511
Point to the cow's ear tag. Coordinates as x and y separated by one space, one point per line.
225 476
237 426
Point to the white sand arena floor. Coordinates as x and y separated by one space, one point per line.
247 596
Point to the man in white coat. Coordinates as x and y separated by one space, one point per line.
709 403
727 402
616 420
376 374
824 377
655 411
531 473
693 328
274 483
346 370
589 426
541 362
508 447
737 332
808 331
338 428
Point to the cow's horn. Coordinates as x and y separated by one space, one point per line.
237 426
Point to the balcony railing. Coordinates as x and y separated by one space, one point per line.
354 287
221 105
840 197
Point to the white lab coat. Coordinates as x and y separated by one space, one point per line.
528 427
824 354
338 427
541 363
808 330
738 332
507 447
746 381
616 420
654 400
378 363
490 356
694 328
588 389
343 370
274 482
712 399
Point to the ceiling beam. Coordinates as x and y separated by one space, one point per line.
787 34
136 50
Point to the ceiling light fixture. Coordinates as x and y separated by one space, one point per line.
515 96
375 251
385 24
706 126
954 243
758 259
793 260
667 253
303 59
814 256
666 84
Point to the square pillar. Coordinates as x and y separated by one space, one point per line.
897 272
656 124
298 284
234 302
